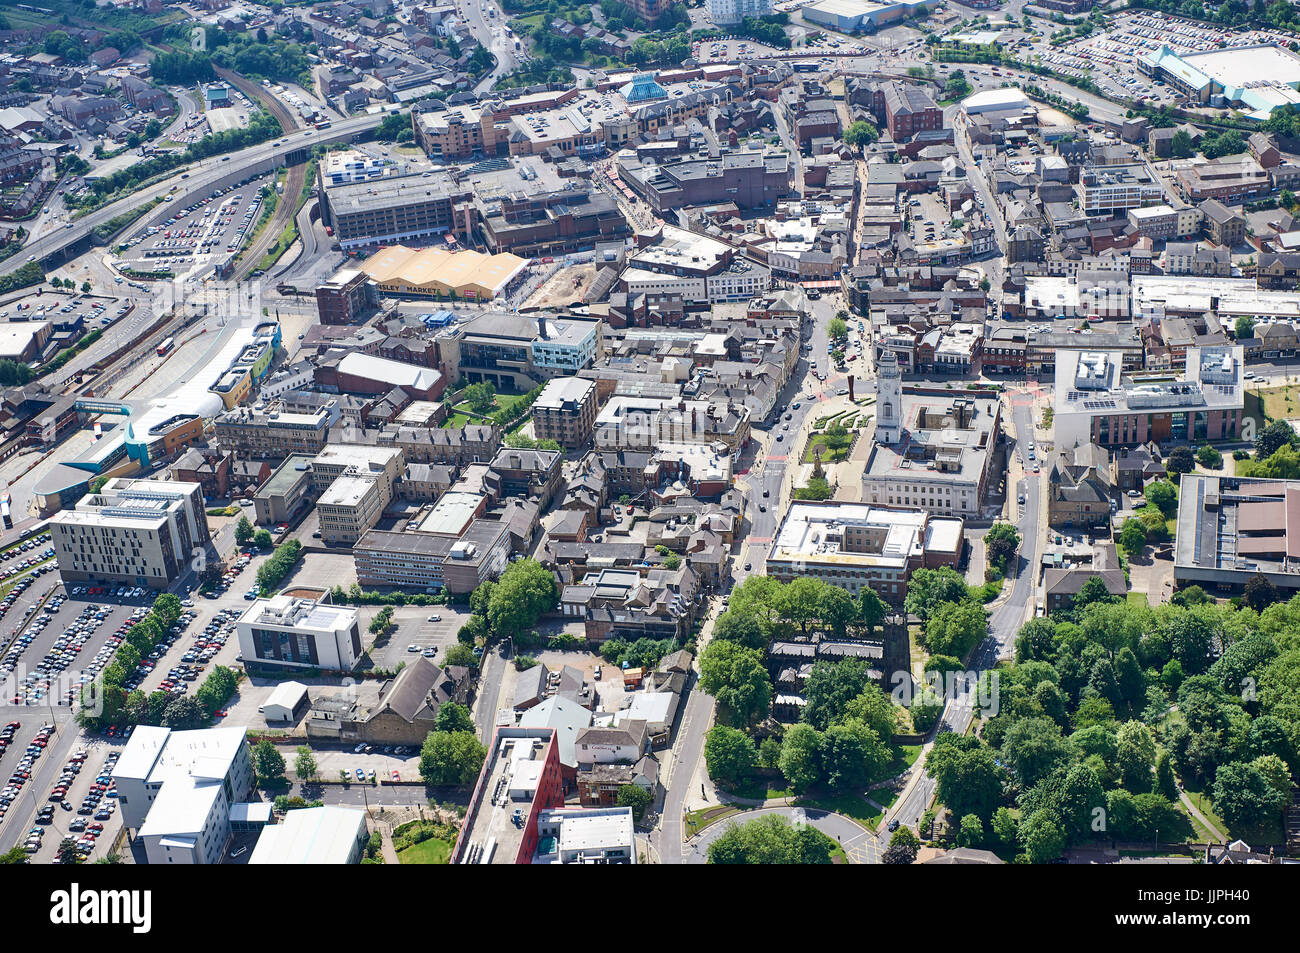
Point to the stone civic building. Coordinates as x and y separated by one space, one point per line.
405 713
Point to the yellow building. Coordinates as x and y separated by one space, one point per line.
443 273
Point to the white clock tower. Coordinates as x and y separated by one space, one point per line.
889 400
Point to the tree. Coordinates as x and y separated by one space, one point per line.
873 707
481 598
480 61
903 845
837 439
460 654
67 853
453 717
480 397
635 797
1042 839
770 840
1246 797
304 765
800 760
1132 536
15 855
1135 756
741 629
262 539
872 610
831 686
1180 461
969 781
1004 827
1272 438
1208 457
837 329
853 755
836 608
957 86
860 134
1244 328
736 677
1259 593
451 757
730 755
1181 145
1093 592
971 831
183 714
1164 496
243 532
268 763
956 627
525 591
1033 748
930 588
1000 544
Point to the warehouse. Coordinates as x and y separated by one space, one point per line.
1257 78
862 16
438 272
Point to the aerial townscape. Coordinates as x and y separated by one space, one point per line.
649 432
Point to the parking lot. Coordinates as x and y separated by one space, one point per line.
87 813
212 228
416 632
64 644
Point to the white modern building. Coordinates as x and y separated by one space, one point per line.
136 532
1097 402
726 12
1004 99
176 789
856 545
314 835
300 633
564 346
589 835
351 165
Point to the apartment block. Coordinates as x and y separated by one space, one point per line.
134 532
565 411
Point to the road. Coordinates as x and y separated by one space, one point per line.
858 843
767 472
1004 623
489 31
202 176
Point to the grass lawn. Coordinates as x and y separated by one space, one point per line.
828 455
758 789
1199 833
850 805
697 821
1137 598
1206 807
456 420
503 402
1280 402
883 796
431 851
